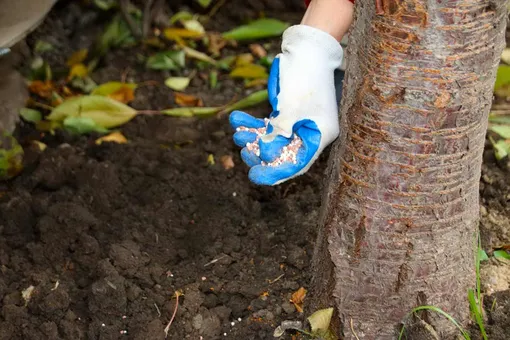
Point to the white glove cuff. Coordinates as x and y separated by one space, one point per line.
302 39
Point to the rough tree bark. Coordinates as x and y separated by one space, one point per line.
400 210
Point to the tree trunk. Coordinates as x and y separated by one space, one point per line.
400 211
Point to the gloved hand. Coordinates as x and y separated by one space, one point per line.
301 89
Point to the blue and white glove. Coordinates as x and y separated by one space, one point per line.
301 89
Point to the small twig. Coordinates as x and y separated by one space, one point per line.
278 278
124 74
214 261
167 328
353 332
42 106
215 9
157 309
124 9
148 112
148 83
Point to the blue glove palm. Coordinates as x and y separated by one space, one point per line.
301 91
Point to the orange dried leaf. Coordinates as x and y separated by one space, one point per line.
41 88
77 57
298 298
114 137
183 99
227 162
258 51
124 95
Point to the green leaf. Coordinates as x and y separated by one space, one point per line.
82 125
204 3
116 34
182 15
252 100
40 70
501 254
320 320
42 46
482 255
168 60
11 156
499 119
177 83
104 111
502 130
475 310
501 148
191 111
112 87
105 5
258 29
213 79
441 312
30 115
86 84
226 62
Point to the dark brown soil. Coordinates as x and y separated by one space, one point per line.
107 234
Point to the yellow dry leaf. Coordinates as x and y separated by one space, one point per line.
183 99
39 145
250 71
181 33
78 70
114 137
227 162
256 82
77 57
298 298
210 159
244 59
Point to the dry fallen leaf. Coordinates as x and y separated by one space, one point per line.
216 43
297 299
26 294
256 82
210 159
183 99
258 50
77 57
124 95
244 59
41 88
227 162
78 70
249 71
181 33
114 137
